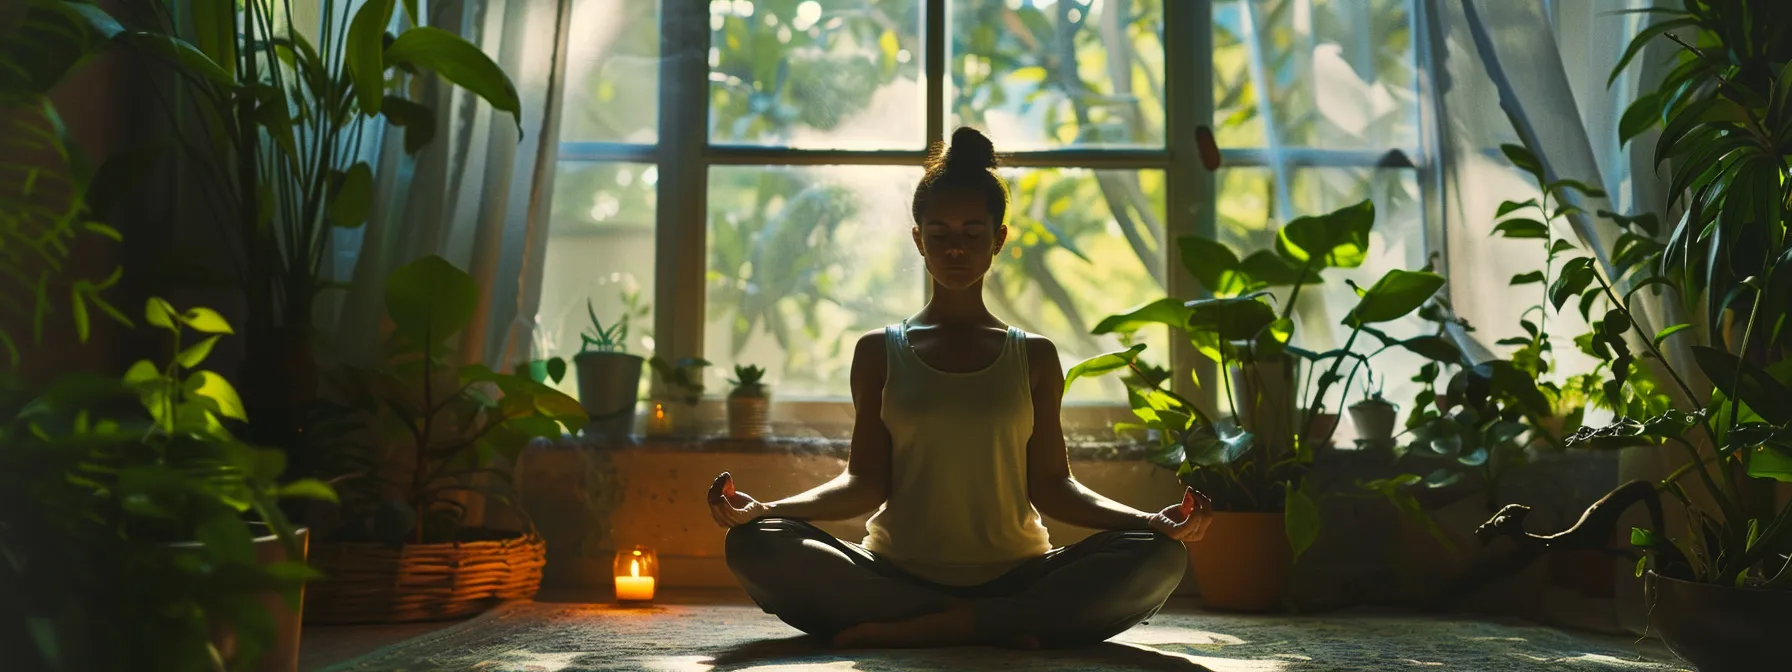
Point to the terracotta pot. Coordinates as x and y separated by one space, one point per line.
1325 426
1242 563
283 655
1719 628
749 418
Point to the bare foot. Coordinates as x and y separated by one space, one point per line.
953 627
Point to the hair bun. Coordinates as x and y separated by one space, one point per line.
970 150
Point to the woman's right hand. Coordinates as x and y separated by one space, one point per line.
731 507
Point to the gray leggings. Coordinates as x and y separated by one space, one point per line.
1071 596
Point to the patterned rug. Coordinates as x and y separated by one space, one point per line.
546 637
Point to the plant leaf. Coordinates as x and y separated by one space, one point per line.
1523 158
1521 228
429 300
1301 519
192 357
1103 363
308 488
458 61
1531 278
206 321
1508 207
1396 294
1161 311
419 122
363 53
1670 331
214 387
354 198
1339 239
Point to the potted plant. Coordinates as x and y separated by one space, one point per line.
1719 591
749 405
141 532
1374 419
437 439
609 378
278 165
675 404
1253 467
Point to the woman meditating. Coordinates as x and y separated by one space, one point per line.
957 438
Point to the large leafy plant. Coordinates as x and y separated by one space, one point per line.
1725 112
125 515
1239 324
433 428
270 130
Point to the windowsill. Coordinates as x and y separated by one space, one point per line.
1083 450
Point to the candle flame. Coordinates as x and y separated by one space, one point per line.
634 568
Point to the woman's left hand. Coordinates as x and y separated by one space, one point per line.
1187 521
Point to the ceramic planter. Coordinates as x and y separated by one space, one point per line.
1325 426
609 384
1719 628
1242 562
1374 420
749 418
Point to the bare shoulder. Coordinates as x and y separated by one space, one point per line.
1042 355
868 354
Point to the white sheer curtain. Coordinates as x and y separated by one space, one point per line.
478 194
1537 70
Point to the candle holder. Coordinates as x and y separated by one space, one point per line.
637 570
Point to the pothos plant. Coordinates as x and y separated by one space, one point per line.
128 512
433 428
1233 464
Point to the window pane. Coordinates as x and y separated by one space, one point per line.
1340 73
802 261
1041 74
600 248
612 74
1082 245
1247 222
827 74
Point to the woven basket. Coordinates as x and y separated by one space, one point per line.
376 583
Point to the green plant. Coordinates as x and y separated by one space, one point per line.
685 377
615 337
46 183
1233 463
432 429
748 382
266 131
102 479
1725 112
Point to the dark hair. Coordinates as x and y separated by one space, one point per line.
969 164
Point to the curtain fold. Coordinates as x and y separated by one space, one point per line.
477 195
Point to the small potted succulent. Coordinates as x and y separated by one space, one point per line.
749 405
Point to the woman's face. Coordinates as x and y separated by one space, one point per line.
957 238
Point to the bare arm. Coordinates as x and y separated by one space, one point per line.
1054 491
866 482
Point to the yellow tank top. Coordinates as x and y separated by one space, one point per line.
957 511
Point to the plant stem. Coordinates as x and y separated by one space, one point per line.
1325 383
1294 294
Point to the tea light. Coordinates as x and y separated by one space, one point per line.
636 570
659 422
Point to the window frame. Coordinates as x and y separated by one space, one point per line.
684 155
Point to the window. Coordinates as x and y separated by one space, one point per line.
786 136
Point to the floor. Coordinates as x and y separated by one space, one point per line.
715 630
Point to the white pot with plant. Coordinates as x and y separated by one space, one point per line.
1374 418
609 377
749 405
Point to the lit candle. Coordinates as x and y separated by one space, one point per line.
659 423
634 587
